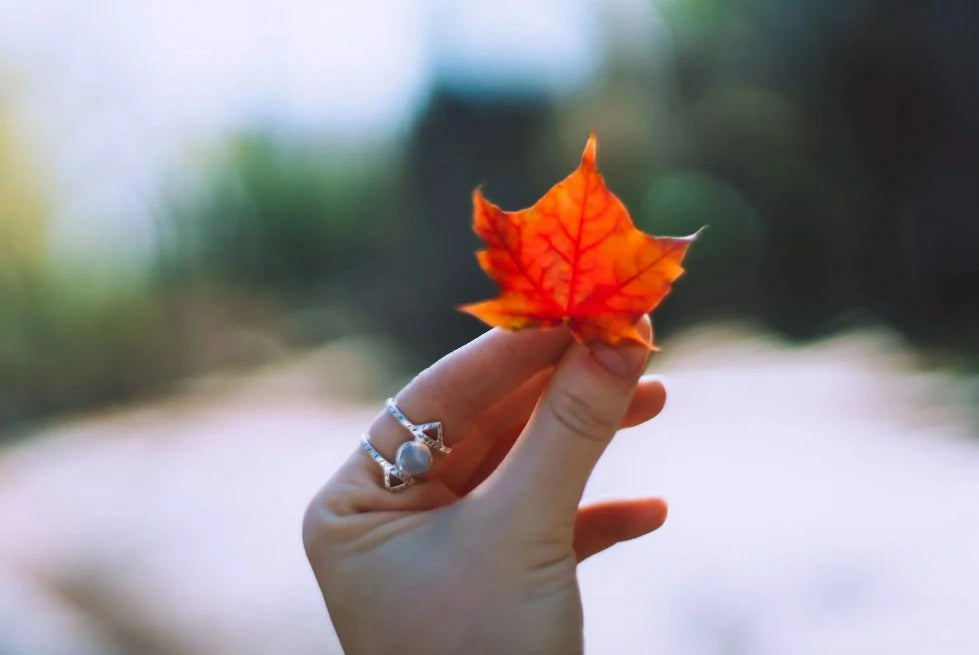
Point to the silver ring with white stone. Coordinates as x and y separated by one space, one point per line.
395 479
420 432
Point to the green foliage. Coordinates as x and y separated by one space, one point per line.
276 215
66 342
828 145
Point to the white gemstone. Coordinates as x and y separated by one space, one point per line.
414 458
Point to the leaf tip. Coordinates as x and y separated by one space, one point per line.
690 238
591 146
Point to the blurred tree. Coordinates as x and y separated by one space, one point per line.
24 217
24 211
851 128
278 215
910 89
462 141
831 145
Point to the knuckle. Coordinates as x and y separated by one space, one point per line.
580 415
316 522
323 524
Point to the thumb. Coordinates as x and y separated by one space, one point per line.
584 404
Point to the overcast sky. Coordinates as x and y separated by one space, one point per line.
115 94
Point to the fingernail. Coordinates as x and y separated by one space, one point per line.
623 361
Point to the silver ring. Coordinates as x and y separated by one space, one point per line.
395 479
420 431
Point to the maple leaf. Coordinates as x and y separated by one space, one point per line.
574 258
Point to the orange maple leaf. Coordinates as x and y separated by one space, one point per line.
574 258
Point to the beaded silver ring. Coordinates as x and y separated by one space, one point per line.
420 432
394 478
414 457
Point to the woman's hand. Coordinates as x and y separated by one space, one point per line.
480 556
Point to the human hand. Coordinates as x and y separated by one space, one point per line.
481 555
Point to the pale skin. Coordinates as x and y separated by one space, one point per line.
481 556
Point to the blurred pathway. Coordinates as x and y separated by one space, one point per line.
823 500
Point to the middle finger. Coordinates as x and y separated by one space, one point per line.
498 427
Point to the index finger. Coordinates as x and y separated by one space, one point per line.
466 382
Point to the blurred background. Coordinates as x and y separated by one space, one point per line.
227 229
